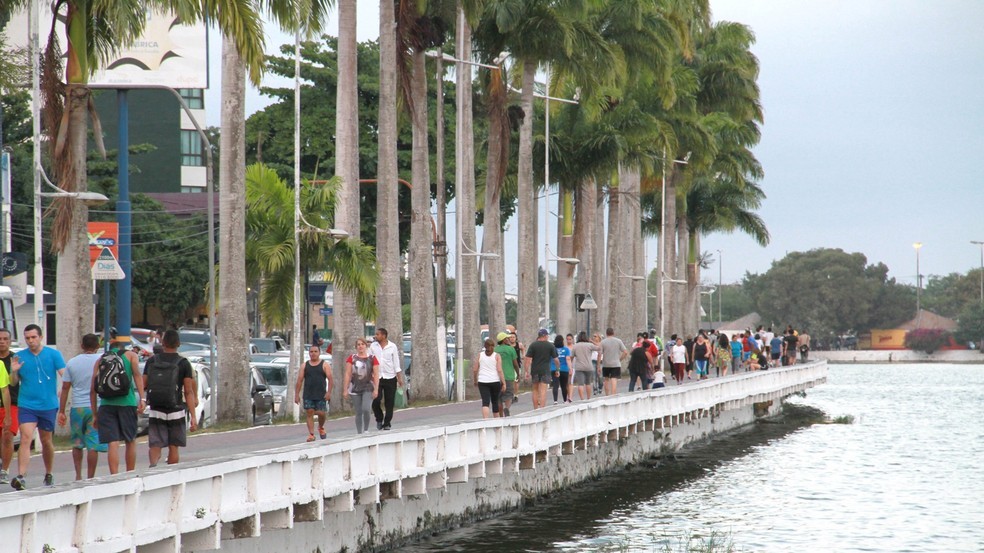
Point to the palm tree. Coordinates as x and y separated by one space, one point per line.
270 245
96 31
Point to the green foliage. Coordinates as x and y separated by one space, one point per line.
971 327
949 295
829 291
926 339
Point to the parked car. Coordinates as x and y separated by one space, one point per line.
193 336
276 378
262 398
272 344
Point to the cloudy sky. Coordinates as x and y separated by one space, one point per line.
873 134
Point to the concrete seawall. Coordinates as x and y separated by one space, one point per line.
898 356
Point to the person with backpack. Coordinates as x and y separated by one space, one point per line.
171 396
119 385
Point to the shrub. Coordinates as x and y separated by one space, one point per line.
926 339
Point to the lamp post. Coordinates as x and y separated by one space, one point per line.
981 244
918 246
720 282
710 293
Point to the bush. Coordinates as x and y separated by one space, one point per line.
926 339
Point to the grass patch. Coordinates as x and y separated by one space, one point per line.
843 419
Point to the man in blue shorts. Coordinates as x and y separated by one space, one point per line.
77 383
36 369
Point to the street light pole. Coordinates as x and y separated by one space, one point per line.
918 246
720 281
39 318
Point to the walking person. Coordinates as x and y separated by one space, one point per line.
722 355
510 369
701 356
584 368
563 377
613 352
116 416
8 410
390 377
171 397
678 354
541 361
488 377
640 364
361 383
316 381
77 382
36 369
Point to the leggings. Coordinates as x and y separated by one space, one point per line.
562 382
362 402
490 394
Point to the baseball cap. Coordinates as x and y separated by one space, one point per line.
501 336
543 332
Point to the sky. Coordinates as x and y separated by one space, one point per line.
873 135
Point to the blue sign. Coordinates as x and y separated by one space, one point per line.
325 311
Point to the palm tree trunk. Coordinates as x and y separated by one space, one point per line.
496 161
615 239
693 279
585 221
682 299
347 324
672 291
469 287
600 263
73 287
635 289
387 200
565 272
526 324
232 324
428 375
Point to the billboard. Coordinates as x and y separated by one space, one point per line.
168 53
103 235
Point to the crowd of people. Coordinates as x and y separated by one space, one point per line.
595 364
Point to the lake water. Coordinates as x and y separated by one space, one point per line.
907 475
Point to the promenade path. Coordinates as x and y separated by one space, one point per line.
204 446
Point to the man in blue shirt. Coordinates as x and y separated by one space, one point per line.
36 369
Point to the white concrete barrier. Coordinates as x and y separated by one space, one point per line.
197 506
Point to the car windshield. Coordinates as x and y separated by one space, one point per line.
275 376
265 345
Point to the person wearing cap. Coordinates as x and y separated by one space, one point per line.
510 368
541 361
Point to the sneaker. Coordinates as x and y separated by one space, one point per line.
4 477
49 480
386 427
379 425
18 483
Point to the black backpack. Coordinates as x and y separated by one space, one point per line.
162 383
112 380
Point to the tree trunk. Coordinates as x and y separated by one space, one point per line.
634 295
526 323
600 261
348 326
428 375
673 290
565 271
73 286
232 324
615 239
388 295
681 299
468 330
496 162
585 222
693 280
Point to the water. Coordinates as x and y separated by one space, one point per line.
908 475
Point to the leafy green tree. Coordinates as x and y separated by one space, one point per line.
823 291
971 327
949 295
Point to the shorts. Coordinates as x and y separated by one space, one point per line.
84 435
583 378
164 433
659 385
611 372
542 377
14 424
315 405
116 423
44 419
776 355
510 392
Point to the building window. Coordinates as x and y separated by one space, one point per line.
194 97
191 149
192 189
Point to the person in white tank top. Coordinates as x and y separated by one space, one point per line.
487 376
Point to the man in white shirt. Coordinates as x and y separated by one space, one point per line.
390 376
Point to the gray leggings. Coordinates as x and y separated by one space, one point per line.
362 402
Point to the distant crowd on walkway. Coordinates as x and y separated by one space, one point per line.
595 364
